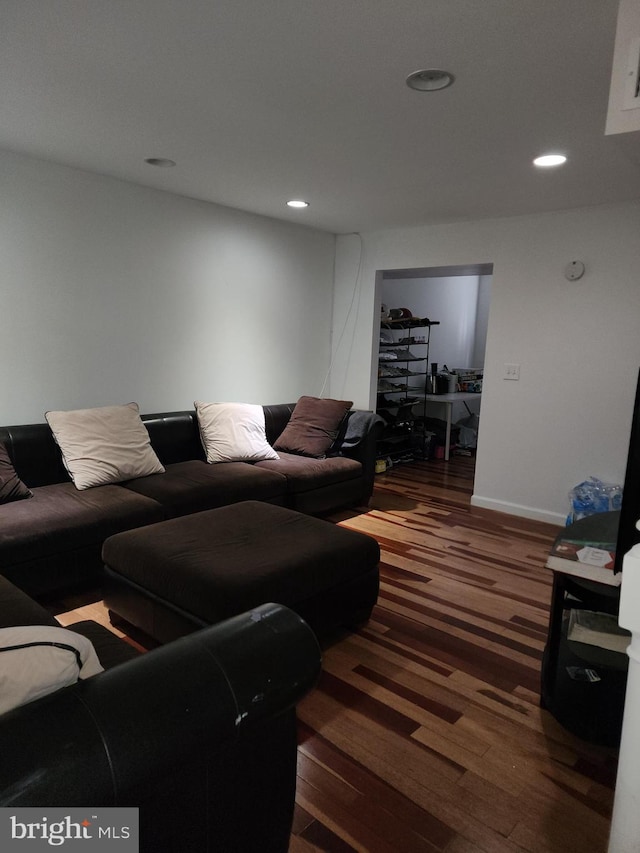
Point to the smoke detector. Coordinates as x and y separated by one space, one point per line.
430 80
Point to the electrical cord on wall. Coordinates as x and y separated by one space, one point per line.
356 289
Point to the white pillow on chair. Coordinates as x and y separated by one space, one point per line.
39 659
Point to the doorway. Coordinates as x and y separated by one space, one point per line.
457 298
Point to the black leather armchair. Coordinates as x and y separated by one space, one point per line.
200 734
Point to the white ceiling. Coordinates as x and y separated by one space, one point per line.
260 101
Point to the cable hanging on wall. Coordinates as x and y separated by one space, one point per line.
356 289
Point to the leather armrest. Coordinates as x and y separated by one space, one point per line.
94 742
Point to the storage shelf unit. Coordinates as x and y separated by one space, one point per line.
402 382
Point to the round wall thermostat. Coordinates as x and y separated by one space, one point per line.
574 270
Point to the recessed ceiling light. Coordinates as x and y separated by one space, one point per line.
297 203
161 162
429 80
550 160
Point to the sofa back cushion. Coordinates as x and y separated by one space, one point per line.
174 436
104 445
35 455
11 486
276 417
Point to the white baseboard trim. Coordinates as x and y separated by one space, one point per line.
518 509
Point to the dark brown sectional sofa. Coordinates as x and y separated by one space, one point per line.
54 539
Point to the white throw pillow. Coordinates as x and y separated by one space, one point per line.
233 432
39 659
104 445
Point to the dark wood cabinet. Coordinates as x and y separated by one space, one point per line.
583 685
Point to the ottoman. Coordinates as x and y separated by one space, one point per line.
176 576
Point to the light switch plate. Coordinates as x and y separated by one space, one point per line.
511 371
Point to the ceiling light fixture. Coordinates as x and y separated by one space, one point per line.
550 160
430 80
297 203
161 162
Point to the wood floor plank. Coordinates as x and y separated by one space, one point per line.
420 775
396 806
361 810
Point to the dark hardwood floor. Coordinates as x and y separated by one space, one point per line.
425 731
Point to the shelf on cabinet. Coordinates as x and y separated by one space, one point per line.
409 323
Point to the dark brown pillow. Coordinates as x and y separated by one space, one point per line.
313 426
11 486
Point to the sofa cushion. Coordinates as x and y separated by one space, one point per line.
233 432
188 487
38 659
11 486
104 445
304 473
17 608
313 427
60 519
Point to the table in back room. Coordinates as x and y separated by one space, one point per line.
448 400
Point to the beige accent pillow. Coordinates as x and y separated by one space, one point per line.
233 432
39 659
104 445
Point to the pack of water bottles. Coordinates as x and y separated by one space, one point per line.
592 496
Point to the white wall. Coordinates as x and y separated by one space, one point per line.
112 292
578 343
452 301
482 321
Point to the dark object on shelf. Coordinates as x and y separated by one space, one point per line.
442 383
438 381
409 323
597 629
395 414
